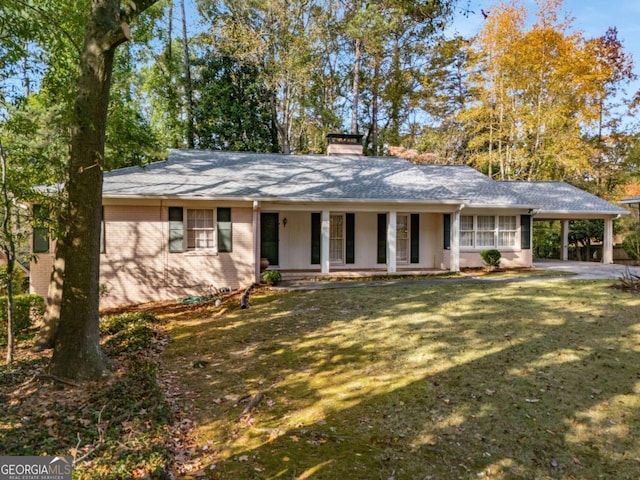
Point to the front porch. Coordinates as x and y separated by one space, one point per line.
357 241
288 275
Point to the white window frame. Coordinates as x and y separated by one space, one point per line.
471 232
342 238
513 231
214 231
496 231
407 240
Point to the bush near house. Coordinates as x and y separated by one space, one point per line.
272 277
631 245
27 309
491 258
18 281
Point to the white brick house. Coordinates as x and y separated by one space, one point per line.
204 219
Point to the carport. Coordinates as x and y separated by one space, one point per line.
564 202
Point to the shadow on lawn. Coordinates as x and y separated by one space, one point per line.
394 383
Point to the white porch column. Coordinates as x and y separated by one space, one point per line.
391 242
564 250
454 261
607 241
325 232
256 241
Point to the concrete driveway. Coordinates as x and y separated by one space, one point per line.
587 270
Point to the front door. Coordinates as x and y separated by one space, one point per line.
269 223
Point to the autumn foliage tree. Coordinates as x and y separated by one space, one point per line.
537 90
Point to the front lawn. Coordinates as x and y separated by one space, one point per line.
539 379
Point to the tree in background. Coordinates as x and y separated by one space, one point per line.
278 38
535 94
234 107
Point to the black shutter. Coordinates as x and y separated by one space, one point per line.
350 237
315 238
525 232
102 250
382 238
447 231
415 238
224 229
176 229
40 230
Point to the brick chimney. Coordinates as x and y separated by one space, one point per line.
344 144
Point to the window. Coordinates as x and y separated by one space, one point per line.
225 236
485 231
507 231
40 230
200 229
466 231
336 238
402 238
488 231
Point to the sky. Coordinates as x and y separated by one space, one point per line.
592 17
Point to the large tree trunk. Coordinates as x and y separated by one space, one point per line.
77 352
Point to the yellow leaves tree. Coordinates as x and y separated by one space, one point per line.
538 89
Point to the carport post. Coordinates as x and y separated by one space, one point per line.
607 241
564 253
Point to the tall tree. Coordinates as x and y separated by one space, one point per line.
537 90
77 352
234 107
278 37
188 84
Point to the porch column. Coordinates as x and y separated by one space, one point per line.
391 242
564 250
256 241
325 232
607 241
454 261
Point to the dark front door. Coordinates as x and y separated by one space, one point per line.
269 237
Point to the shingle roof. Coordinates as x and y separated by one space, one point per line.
560 197
478 189
238 175
214 174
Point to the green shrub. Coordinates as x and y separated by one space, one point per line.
272 277
491 258
18 280
27 309
631 245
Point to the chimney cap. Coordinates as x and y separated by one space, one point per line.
344 138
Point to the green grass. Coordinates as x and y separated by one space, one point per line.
539 379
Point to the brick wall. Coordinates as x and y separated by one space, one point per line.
137 267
